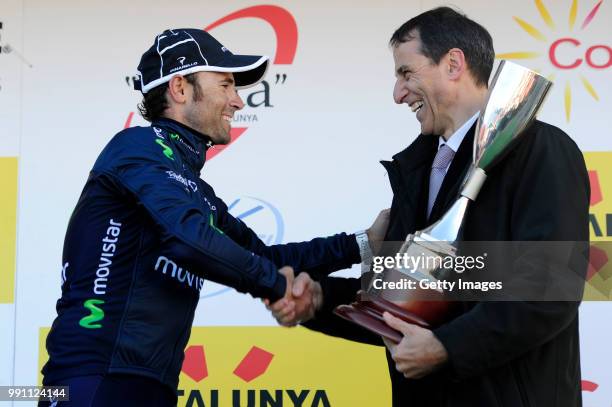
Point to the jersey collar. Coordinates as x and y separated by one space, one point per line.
191 143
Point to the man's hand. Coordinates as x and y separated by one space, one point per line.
302 299
418 353
376 233
284 309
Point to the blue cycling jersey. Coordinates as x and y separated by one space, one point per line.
144 235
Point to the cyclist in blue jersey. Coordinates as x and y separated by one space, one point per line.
147 231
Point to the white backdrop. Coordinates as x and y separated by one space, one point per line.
306 166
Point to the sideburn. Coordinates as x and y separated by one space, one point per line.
198 95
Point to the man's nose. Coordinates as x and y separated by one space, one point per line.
399 91
236 101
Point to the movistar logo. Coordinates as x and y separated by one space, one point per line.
167 150
178 138
96 314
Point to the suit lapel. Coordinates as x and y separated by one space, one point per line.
454 177
409 176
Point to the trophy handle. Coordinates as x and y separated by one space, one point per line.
473 184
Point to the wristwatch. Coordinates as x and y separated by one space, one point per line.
365 251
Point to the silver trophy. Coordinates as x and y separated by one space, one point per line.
515 96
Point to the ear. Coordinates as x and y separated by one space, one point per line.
177 89
455 61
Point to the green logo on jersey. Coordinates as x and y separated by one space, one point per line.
167 150
211 222
96 314
174 136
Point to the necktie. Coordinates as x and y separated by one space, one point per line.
438 170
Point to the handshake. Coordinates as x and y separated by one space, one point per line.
304 296
418 353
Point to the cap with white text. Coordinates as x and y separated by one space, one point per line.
187 50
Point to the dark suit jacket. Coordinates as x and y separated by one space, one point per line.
513 354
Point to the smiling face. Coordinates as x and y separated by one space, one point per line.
211 107
422 85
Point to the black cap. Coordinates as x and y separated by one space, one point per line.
187 50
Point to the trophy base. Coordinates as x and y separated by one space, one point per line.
369 315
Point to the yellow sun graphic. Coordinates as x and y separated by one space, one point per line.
538 35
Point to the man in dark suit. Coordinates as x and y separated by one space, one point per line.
493 353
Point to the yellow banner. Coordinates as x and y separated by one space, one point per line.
274 366
599 277
8 228
43 356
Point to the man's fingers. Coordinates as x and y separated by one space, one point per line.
278 305
287 320
398 324
282 311
287 271
299 285
281 307
389 344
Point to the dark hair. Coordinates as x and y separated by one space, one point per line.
442 29
154 102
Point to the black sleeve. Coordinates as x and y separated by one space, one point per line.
319 257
